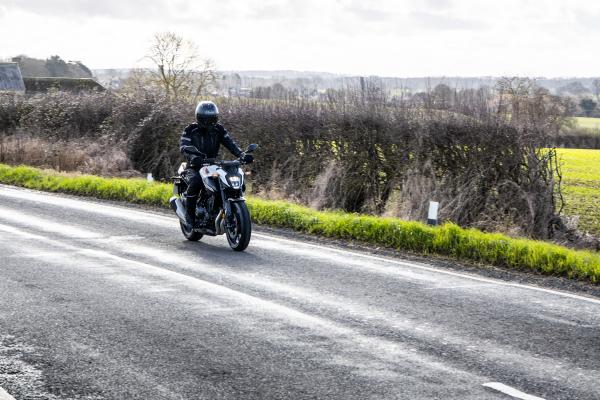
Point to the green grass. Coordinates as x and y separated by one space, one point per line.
131 190
447 240
581 174
588 123
585 125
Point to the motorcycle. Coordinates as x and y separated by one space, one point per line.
221 207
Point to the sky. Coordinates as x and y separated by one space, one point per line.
402 38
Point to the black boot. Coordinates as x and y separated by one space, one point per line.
190 210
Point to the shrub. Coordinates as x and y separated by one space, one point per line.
11 109
153 146
63 116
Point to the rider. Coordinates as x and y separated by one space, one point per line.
199 141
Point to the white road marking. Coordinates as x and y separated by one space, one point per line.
4 395
500 387
161 220
472 286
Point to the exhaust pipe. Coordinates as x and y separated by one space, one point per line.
177 206
220 223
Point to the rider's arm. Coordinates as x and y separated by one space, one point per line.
186 146
229 143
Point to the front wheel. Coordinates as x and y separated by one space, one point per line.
189 233
238 234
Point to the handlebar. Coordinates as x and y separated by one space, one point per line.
194 151
222 163
214 161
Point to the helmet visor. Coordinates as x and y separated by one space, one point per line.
208 120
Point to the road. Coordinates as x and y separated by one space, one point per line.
105 301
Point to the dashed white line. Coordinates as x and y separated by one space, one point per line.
517 394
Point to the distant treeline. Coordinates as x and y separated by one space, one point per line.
310 81
577 141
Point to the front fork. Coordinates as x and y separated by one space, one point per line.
229 221
229 217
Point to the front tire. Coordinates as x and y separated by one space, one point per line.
189 233
238 235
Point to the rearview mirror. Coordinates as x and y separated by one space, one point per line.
251 148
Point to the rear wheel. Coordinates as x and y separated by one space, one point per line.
238 235
189 233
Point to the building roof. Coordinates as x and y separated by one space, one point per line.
10 77
76 85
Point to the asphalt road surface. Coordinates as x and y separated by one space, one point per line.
100 301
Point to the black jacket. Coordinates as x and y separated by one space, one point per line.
207 141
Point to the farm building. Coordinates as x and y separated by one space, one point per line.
12 80
10 77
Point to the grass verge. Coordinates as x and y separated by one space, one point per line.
448 240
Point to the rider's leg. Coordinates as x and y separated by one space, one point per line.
194 182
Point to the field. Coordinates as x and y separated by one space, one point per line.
592 124
581 174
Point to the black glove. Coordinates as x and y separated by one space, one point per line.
196 161
247 158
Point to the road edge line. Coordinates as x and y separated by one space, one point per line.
433 268
512 392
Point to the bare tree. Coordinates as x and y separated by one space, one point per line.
179 69
204 78
137 80
512 94
522 103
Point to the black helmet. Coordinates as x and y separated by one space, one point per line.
207 113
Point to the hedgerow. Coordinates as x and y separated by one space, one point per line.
359 150
447 240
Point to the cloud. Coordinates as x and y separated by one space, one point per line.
443 22
439 4
90 8
390 37
282 10
130 9
587 19
369 13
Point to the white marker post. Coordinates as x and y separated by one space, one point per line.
432 216
149 177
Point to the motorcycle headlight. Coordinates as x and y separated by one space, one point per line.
235 181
